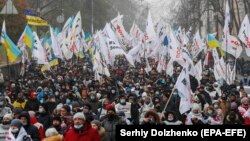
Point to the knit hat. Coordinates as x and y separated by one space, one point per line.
79 115
110 108
57 118
16 122
75 104
8 116
96 122
51 132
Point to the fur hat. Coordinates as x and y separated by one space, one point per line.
8 116
79 115
51 132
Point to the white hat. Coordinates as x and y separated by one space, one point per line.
144 94
51 132
9 116
196 106
98 95
79 115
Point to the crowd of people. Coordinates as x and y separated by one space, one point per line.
67 103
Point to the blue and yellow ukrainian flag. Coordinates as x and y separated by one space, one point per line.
214 43
28 38
12 50
87 37
33 19
52 62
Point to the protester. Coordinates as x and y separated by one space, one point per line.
81 130
31 130
96 124
17 132
52 135
5 126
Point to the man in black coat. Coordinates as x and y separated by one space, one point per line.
30 129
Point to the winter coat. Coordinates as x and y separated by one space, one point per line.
22 135
4 131
32 105
110 127
86 134
46 120
31 129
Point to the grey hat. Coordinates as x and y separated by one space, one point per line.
96 122
16 122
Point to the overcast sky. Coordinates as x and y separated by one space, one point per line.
159 8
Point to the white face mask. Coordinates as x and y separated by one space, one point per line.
216 106
25 123
112 91
209 111
78 126
170 118
14 130
122 101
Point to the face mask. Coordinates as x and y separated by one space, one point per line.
92 97
216 106
40 110
1 103
157 93
53 100
170 118
143 98
56 93
25 123
68 101
78 126
14 130
122 101
209 111
112 91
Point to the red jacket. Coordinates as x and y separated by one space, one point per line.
87 134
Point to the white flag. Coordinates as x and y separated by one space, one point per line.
3 30
56 49
198 68
197 45
39 51
244 34
120 30
233 46
184 91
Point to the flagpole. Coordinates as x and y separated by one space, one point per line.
165 107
